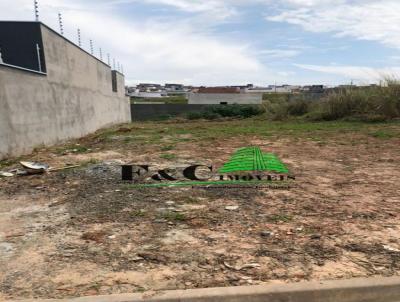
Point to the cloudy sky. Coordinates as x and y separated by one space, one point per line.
219 42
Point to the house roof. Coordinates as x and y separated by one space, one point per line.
219 90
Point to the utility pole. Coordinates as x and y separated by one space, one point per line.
101 54
108 59
36 6
60 21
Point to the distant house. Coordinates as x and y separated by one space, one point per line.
218 90
148 91
174 87
148 87
314 88
136 93
279 88
223 96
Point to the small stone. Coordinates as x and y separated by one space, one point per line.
170 203
316 236
160 221
232 208
391 249
266 234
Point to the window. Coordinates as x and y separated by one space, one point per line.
114 81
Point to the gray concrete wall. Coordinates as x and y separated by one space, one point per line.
352 290
75 98
230 98
147 112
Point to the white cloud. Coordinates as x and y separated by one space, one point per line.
189 49
164 52
313 2
153 50
365 20
217 10
279 53
359 74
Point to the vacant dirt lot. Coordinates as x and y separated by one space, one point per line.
81 232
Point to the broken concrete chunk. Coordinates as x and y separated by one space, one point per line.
6 174
232 208
34 165
391 249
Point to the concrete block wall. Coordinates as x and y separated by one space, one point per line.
73 99
229 98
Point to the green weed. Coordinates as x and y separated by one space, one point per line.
172 216
280 218
168 148
168 156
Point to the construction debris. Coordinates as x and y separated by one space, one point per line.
231 208
63 168
34 168
6 174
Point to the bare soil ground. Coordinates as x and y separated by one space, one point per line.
79 232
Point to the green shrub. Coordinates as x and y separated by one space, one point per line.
194 115
298 107
367 104
281 110
210 115
218 111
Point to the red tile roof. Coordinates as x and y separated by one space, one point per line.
219 90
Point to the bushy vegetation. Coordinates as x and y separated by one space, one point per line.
174 99
281 110
220 111
369 104
276 97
